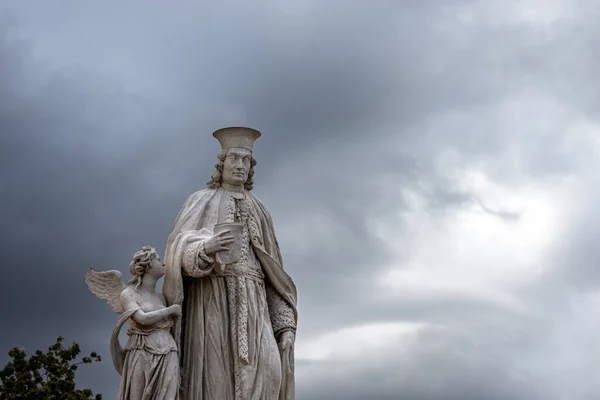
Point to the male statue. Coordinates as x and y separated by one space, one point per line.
223 266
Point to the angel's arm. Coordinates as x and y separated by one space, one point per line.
146 318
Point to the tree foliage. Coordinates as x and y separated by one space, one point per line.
45 376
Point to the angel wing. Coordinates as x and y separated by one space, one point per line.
106 285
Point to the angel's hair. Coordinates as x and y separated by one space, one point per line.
140 264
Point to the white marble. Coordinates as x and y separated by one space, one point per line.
237 331
149 364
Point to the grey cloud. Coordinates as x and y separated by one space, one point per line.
93 169
574 261
61 206
433 364
505 215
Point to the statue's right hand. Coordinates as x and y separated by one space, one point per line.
218 242
175 309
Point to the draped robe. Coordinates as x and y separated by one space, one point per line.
149 366
151 369
227 334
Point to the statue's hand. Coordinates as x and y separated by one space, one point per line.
175 309
286 340
218 242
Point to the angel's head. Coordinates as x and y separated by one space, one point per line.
145 261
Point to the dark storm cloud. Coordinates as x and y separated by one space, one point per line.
339 76
81 189
98 157
62 207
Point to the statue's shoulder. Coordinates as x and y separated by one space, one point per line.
260 204
256 199
194 197
127 293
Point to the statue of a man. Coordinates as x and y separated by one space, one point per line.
237 332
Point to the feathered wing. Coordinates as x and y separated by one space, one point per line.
107 285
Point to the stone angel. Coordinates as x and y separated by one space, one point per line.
149 364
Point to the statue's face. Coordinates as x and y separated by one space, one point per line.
236 166
156 267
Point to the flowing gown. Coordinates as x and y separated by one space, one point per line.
151 367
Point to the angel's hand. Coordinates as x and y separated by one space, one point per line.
175 309
147 317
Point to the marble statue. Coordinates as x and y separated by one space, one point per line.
223 266
149 364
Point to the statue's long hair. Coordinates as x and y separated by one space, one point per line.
140 264
217 177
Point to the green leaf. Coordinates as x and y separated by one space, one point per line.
45 376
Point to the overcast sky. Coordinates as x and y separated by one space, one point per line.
431 168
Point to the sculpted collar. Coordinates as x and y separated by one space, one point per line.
232 188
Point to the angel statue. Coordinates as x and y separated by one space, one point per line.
149 364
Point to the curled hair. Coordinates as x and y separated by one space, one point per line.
140 264
217 177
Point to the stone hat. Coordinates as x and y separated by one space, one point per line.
237 137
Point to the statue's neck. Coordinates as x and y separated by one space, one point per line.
149 283
232 188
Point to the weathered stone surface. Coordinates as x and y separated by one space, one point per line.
149 364
237 333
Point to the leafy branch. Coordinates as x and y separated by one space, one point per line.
45 376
